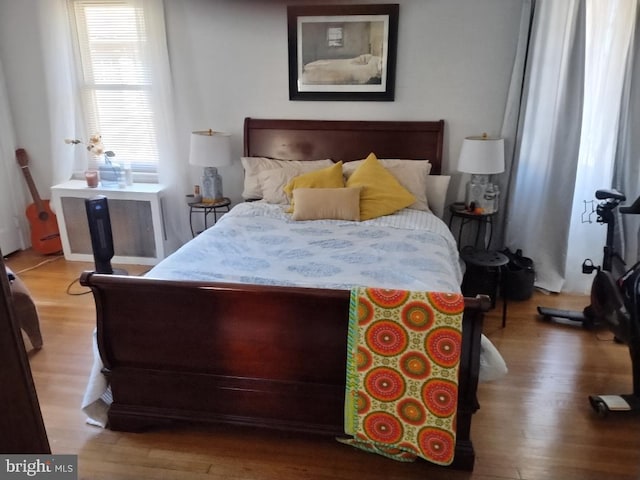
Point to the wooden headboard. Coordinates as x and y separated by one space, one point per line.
344 140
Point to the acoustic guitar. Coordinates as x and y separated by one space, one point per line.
45 236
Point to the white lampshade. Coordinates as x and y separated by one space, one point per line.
210 149
482 155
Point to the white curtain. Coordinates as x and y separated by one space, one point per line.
65 117
171 169
65 107
627 166
13 227
609 28
546 156
568 133
511 118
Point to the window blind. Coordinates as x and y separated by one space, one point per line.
115 80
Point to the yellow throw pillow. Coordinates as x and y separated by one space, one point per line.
411 174
326 203
329 177
381 193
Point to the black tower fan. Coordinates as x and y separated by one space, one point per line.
101 237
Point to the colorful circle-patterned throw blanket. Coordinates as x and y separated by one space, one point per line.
402 373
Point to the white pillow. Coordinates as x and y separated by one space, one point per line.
254 165
272 183
411 174
437 186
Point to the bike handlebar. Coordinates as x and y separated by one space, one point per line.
633 209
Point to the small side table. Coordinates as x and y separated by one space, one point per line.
484 275
484 221
206 209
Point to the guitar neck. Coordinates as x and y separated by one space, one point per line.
32 188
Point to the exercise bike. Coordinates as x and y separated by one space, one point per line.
615 301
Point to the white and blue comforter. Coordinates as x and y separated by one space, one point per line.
258 243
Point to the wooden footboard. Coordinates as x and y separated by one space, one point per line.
241 354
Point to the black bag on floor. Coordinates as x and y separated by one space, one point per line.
518 276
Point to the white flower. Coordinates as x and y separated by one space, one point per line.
94 145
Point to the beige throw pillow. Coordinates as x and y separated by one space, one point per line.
326 203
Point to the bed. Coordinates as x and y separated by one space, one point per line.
360 70
178 345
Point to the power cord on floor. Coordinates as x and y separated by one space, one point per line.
53 259
44 262
69 292
610 337
70 286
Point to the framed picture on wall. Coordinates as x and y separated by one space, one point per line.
342 52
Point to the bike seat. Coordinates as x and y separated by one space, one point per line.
634 208
606 194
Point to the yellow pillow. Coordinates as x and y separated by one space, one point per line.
326 203
381 193
329 177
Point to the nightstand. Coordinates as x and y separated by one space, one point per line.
217 208
483 221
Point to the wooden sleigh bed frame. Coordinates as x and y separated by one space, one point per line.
255 355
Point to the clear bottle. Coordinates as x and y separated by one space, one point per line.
476 188
122 183
489 201
496 198
128 174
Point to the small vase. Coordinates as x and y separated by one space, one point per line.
110 174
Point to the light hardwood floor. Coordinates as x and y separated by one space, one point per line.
535 423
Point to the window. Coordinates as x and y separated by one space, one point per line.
115 79
334 37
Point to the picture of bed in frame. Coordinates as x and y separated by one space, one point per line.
209 336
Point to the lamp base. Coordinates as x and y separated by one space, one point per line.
211 185
482 194
476 188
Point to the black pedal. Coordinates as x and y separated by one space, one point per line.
588 267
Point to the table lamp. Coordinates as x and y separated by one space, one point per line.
210 149
481 156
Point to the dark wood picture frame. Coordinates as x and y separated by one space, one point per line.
342 52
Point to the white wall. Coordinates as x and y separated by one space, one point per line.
229 61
